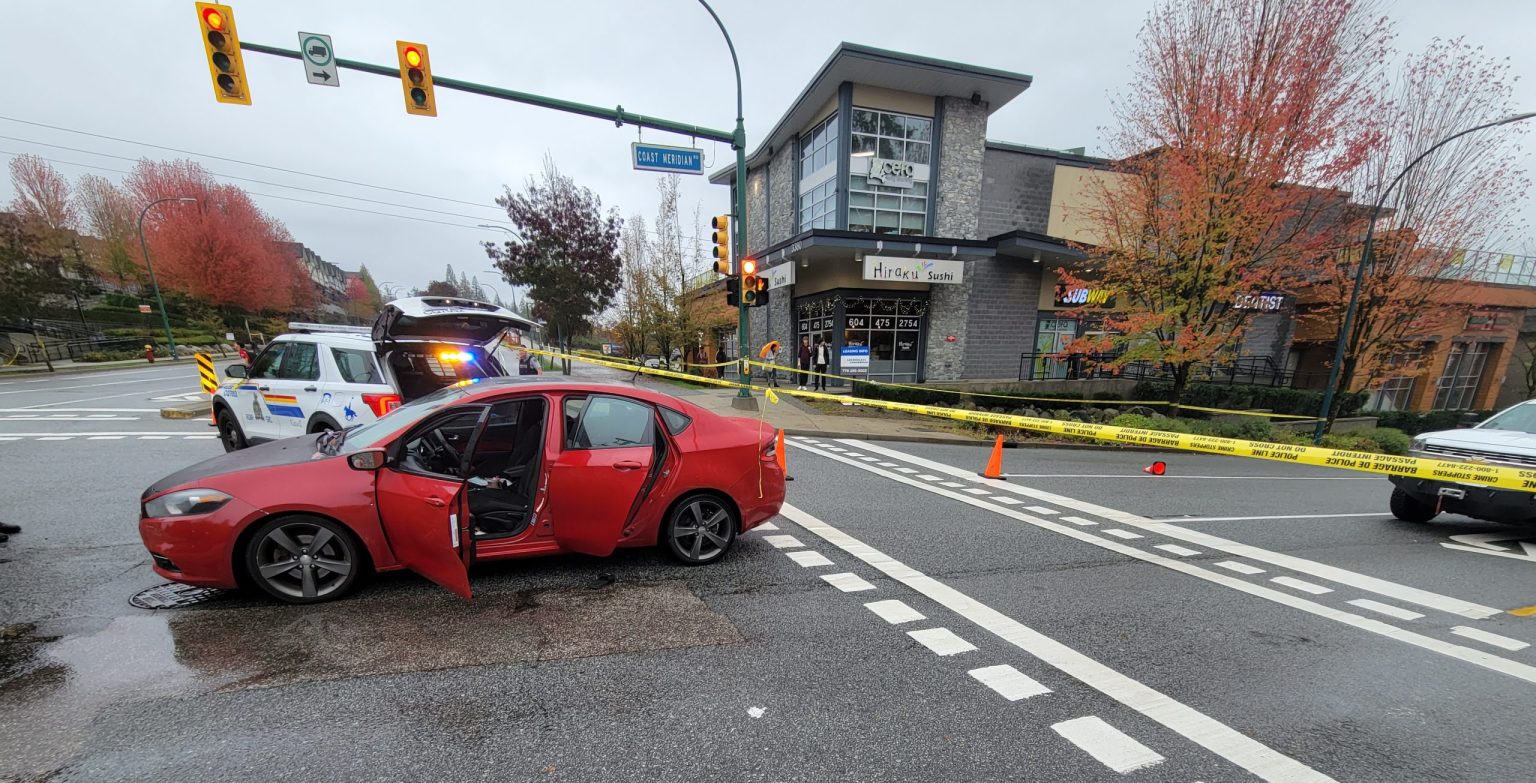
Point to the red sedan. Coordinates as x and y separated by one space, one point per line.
495 469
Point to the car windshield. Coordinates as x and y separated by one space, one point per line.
374 433
1521 418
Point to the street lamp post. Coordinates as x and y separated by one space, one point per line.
1365 261
159 301
739 142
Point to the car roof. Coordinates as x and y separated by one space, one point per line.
340 338
490 387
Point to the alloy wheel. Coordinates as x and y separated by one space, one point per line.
303 560
701 530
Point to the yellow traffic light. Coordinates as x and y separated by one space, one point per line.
752 287
222 46
416 78
722 239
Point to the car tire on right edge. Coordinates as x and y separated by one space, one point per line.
699 530
229 431
1409 508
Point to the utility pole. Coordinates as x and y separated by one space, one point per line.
159 301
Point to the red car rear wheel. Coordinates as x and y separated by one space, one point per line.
700 529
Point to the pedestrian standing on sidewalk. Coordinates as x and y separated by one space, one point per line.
822 359
771 356
720 359
803 361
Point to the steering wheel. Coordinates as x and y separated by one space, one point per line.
442 450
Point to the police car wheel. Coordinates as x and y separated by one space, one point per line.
229 431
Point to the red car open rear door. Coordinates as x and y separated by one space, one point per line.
427 528
604 461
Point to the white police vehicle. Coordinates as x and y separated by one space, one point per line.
321 377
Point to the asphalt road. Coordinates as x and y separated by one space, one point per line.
907 620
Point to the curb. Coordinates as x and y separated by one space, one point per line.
74 370
186 410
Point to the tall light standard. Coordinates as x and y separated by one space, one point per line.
1365 261
159 301
559 333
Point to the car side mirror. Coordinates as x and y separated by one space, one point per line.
367 459
236 371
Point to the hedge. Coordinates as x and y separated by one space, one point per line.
1277 399
1414 423
950 397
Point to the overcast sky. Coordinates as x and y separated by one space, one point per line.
135 71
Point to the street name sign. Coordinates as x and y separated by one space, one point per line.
319 59
673 160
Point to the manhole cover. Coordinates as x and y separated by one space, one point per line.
172 596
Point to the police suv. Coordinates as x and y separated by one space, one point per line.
322 377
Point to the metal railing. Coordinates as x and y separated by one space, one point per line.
1244 370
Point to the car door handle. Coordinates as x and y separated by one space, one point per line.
433 500
627 464
311 388
263 388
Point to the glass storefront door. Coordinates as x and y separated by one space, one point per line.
1052 338
888 328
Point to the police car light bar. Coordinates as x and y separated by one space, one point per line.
307 328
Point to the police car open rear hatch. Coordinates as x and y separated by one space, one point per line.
437 319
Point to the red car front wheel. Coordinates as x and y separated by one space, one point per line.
304 559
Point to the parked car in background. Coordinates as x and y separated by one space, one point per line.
1507 438
321 377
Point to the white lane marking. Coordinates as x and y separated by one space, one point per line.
950 484
1359 581
1181 551
1386 609
855 454
1079 521
1050 512
809 558
1010 683
941 641
848 583
1462 653
105 437
1297 584
977 491
783 542
1007 501
67 417
1241 568
835 448
1108 745
928 477
56 437
198 437
1187 722
154 437
1490 638
1146 477
1282 516
766 526
906 470
7 437
140 433
140 393
870 459
894 612
86 410
192 380
1126 534
886 464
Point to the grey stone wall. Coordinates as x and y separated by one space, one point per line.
1015 192
1001 316
961 155
781 197
757 210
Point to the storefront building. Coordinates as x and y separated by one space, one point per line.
892 229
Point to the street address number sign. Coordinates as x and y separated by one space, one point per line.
674 160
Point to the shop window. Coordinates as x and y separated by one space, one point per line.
1395 392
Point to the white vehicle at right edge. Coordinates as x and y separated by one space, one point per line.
1508 438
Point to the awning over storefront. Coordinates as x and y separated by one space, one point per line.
826 243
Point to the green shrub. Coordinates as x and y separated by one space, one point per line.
1133 420
1413 423
1302 402
1389 440
1250 428
1350 441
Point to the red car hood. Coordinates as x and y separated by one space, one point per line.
279 452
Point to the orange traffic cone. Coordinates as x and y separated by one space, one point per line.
995 462
778 455
1157 468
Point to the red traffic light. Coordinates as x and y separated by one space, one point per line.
213 19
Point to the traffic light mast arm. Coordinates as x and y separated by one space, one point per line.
617 115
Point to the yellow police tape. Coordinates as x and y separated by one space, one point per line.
1418 467
993 396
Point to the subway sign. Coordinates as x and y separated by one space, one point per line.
1083 296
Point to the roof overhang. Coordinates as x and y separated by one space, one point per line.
1028 244
868 65
825 243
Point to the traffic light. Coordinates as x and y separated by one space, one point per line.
223 48
722 239
416 78
754 289
732 291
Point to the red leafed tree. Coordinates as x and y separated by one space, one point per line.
42 196
1461 196
223 249
1242 120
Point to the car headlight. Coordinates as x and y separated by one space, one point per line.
186 502
1416 445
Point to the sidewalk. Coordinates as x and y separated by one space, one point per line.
796 417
